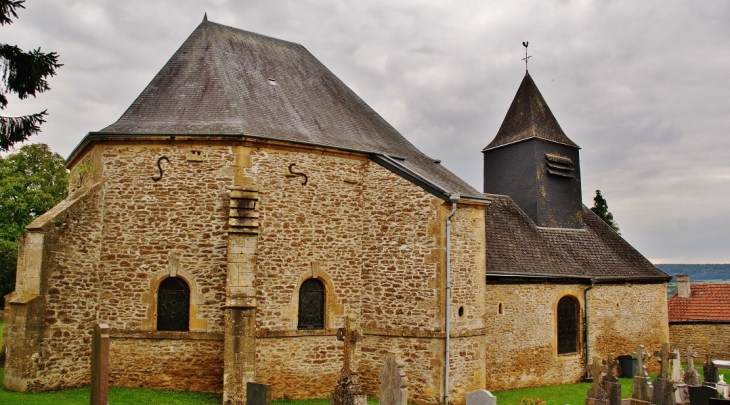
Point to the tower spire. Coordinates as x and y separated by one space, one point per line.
525 43
205 17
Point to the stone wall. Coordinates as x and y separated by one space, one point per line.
620 318
375 240
703 338
178 363
50 315
626 315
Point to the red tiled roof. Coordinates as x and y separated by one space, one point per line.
707 302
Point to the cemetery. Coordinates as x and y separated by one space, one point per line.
674 384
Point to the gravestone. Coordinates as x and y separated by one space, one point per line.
710 370
677 370
722 387
691 377
99 365
701 395
393 382
348 390
681 390
610 383
480 397
641 388
597 395
663 387
258 394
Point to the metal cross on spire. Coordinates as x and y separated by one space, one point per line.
525 43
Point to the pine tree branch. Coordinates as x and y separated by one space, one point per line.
25 73
7 8
18 129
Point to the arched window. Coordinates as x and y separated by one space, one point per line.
567 325
311 305
173 305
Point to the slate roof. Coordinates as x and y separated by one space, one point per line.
707 302
517 247
529 117
226 81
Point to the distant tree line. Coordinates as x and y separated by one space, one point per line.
698 272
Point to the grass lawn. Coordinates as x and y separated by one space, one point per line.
574 394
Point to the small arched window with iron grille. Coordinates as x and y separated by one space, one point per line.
173 305
311 305
568 309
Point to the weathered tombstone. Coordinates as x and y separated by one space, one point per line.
597 395
691 377
663 387
348 390
677 370
258 394
722 387
99 364
610 383
681 390
480 397
641 388
710 370
393 382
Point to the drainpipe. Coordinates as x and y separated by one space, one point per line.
585 322
454 198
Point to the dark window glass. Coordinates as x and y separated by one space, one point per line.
311 305
567 325
173 305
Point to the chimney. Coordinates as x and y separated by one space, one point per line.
683 290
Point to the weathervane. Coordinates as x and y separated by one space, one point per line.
526 57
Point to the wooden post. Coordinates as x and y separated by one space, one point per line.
100 364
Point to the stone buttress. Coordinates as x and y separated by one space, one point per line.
240 328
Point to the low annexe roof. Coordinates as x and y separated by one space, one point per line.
707 303
226 82
520 251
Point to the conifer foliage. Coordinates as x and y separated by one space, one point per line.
24 74
600 207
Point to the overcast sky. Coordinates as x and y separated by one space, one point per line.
641 86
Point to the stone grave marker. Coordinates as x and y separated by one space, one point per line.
258 394
99 365
611 384
691 376
348 390
663 387
597 395
681 390
677 370
480 397
393 382
710 370
641 388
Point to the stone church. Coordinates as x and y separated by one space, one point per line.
248 201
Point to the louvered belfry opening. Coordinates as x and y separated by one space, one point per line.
567 325
173 305
311 305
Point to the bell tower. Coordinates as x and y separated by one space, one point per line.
532 161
